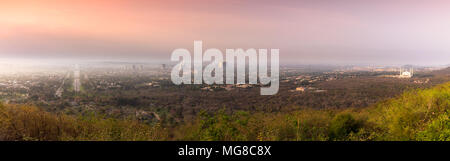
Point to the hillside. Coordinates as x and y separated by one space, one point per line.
442 72
414 115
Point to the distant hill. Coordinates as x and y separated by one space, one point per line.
442 72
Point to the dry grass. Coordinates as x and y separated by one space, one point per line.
31 123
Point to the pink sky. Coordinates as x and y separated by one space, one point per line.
309 31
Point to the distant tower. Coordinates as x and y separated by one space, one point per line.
224 65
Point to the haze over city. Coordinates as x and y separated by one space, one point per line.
307 31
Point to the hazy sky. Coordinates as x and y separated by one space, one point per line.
308 31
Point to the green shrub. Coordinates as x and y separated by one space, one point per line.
342 125
438 130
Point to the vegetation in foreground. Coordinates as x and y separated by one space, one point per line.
414 115
33 124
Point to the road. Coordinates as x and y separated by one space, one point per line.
60 90
76 79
